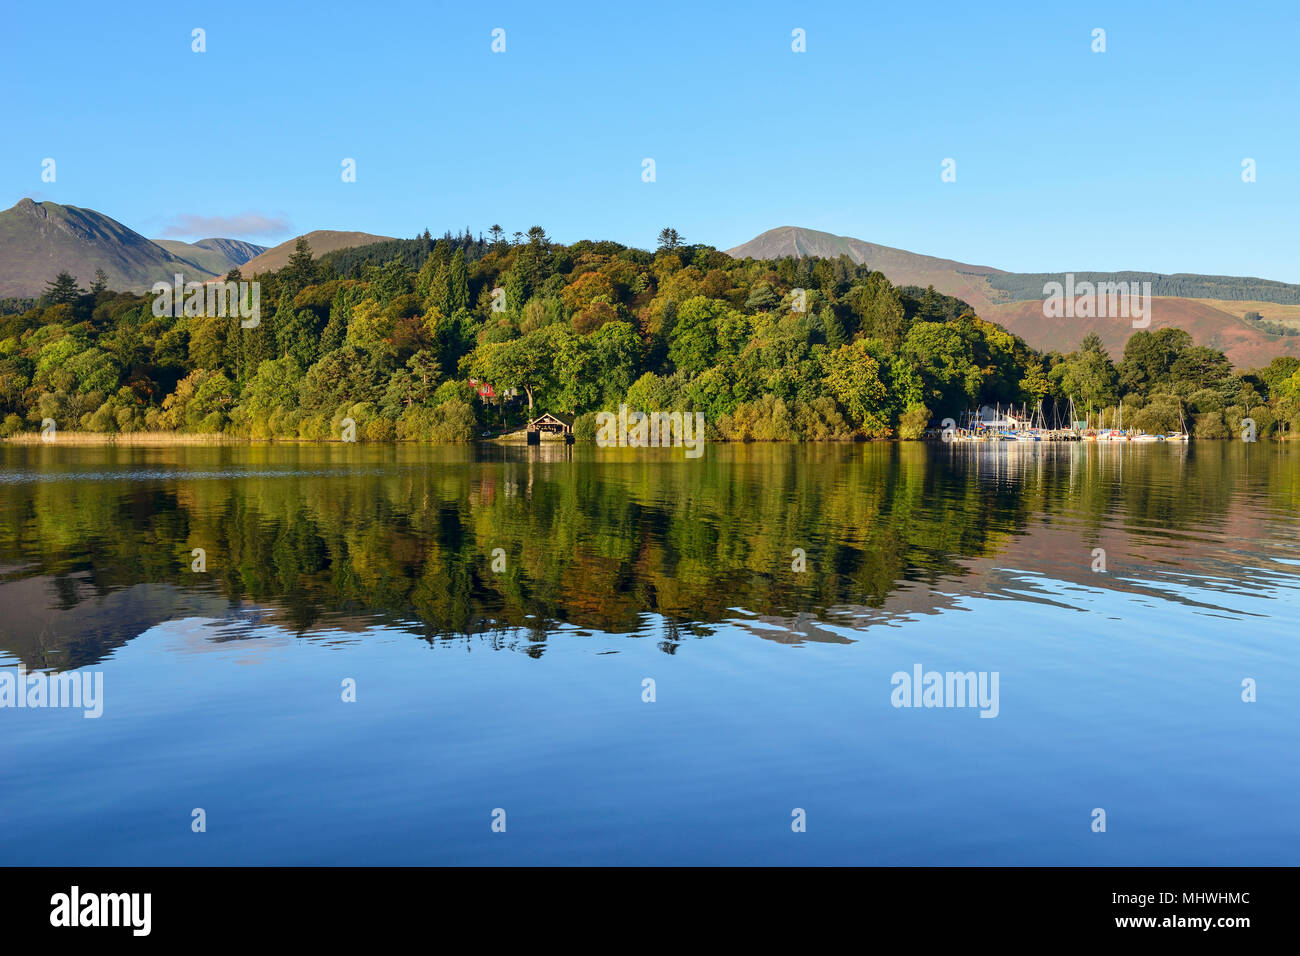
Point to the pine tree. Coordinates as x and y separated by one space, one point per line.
457 283
63 289
932 309
669 239
301 270
101 282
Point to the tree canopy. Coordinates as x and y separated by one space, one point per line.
390 335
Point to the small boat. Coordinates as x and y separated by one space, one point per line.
1144 437
1176 436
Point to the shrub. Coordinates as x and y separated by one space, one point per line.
768 419
584 427
415 424
377 429
912 423
1157 417
822 420
453 422
1210 425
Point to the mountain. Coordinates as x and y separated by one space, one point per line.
217 256
321 241
961 279
1213 309
40 240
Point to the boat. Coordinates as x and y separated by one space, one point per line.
1181 434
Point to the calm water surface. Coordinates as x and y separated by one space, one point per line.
522 688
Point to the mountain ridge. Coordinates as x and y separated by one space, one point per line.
1213 309
38 240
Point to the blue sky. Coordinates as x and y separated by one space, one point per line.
1066 159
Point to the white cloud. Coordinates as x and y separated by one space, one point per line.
226 227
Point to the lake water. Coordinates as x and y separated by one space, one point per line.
515 680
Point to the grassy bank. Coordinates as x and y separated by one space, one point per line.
127 438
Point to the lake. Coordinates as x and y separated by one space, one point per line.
378 654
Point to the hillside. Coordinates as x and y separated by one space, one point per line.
960 279
321 241
1207 321
40 240
1211 308
217 256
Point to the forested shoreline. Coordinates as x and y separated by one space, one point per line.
447 339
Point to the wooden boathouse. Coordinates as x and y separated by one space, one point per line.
551 426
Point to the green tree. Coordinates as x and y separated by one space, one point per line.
525 362
1088 374
63 289
301 270
879 310
853 377
669 239
457 283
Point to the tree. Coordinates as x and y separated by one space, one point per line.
1202 367
301 271
853 376
761 298
457 283
63 289
1149 358
524 362
931 309
942 355
1088 374
101 282
879 310
693 339
669 239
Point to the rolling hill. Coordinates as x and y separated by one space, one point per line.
321 241
217 256
1211 308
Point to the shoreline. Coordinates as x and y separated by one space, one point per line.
163 439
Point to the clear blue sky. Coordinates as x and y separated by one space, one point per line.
1066 159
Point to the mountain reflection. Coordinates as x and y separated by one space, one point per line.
96 544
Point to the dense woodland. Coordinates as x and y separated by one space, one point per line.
390 335
1029 285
